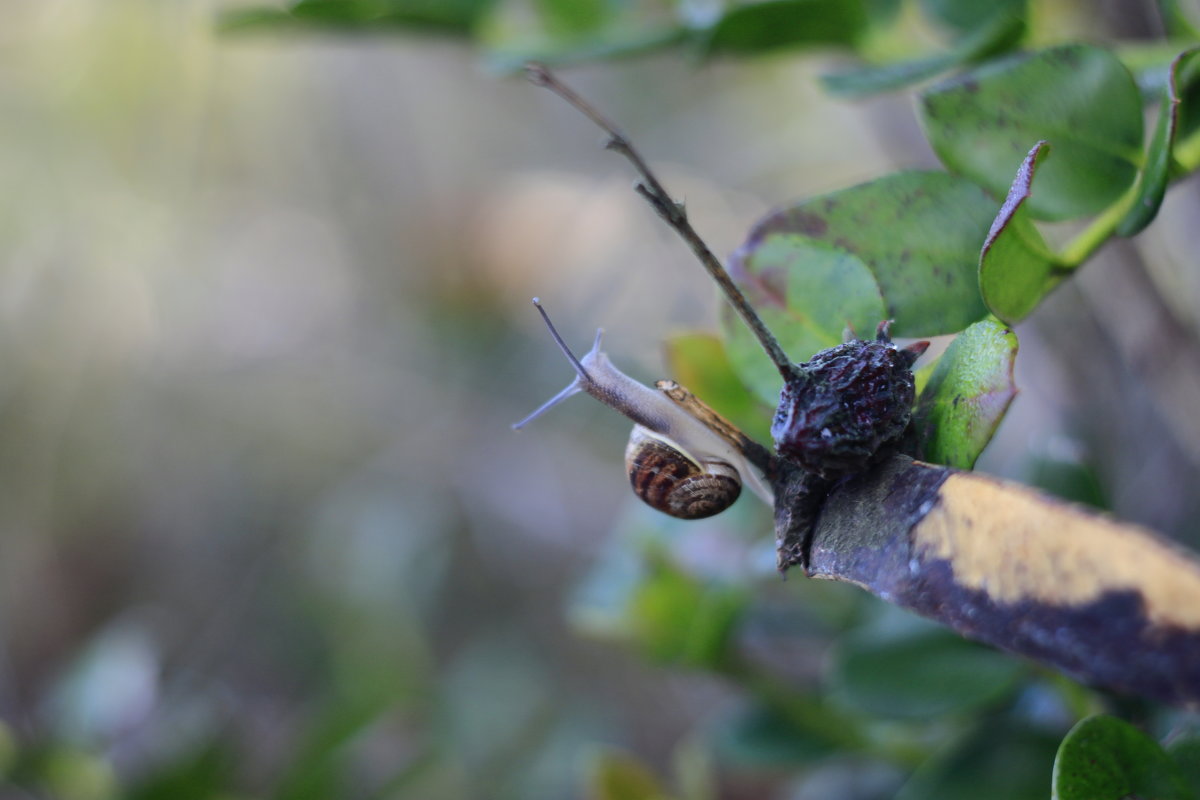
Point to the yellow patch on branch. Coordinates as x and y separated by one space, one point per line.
1016 544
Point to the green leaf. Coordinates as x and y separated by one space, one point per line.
882 13
1016 269
9 751
874 79
1079 98
758 27
998 762
619 776
699 362
1185 752
200 773
1175 20
337 12
1186 77
1001 33
573 17
1152 185
249 20
445 16
923 673
680 619
68 773
1068 477
806 291
971 15
917 234
967 395
759 736
618 41
1105 757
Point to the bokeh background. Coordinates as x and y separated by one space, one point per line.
264 325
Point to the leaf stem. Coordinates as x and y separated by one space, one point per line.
674 214
1081 248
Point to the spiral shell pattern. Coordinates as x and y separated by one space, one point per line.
669 480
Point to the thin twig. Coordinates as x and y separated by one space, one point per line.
671 212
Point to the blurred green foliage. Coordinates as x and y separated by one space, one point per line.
415 701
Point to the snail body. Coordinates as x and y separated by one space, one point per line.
676 463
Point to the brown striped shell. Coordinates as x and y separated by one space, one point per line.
669 480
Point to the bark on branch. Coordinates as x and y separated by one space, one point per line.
1109 603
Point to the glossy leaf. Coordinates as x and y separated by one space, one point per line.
1016 269
1079 98
806 291
918 234
925 673
757 27
618 776
1105 757
699 362
1000 33
1152 184
967 395
998 762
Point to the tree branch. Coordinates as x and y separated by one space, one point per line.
674 214
1109 603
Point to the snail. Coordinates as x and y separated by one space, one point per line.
682 458
842 411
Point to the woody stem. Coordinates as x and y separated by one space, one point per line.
674 214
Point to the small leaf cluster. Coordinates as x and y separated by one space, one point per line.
960 250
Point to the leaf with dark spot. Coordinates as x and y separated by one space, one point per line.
910 238
1104 756
807 292
1079 98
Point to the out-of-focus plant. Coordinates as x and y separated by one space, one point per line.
925 713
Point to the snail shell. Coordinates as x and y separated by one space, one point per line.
676 462
671 481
